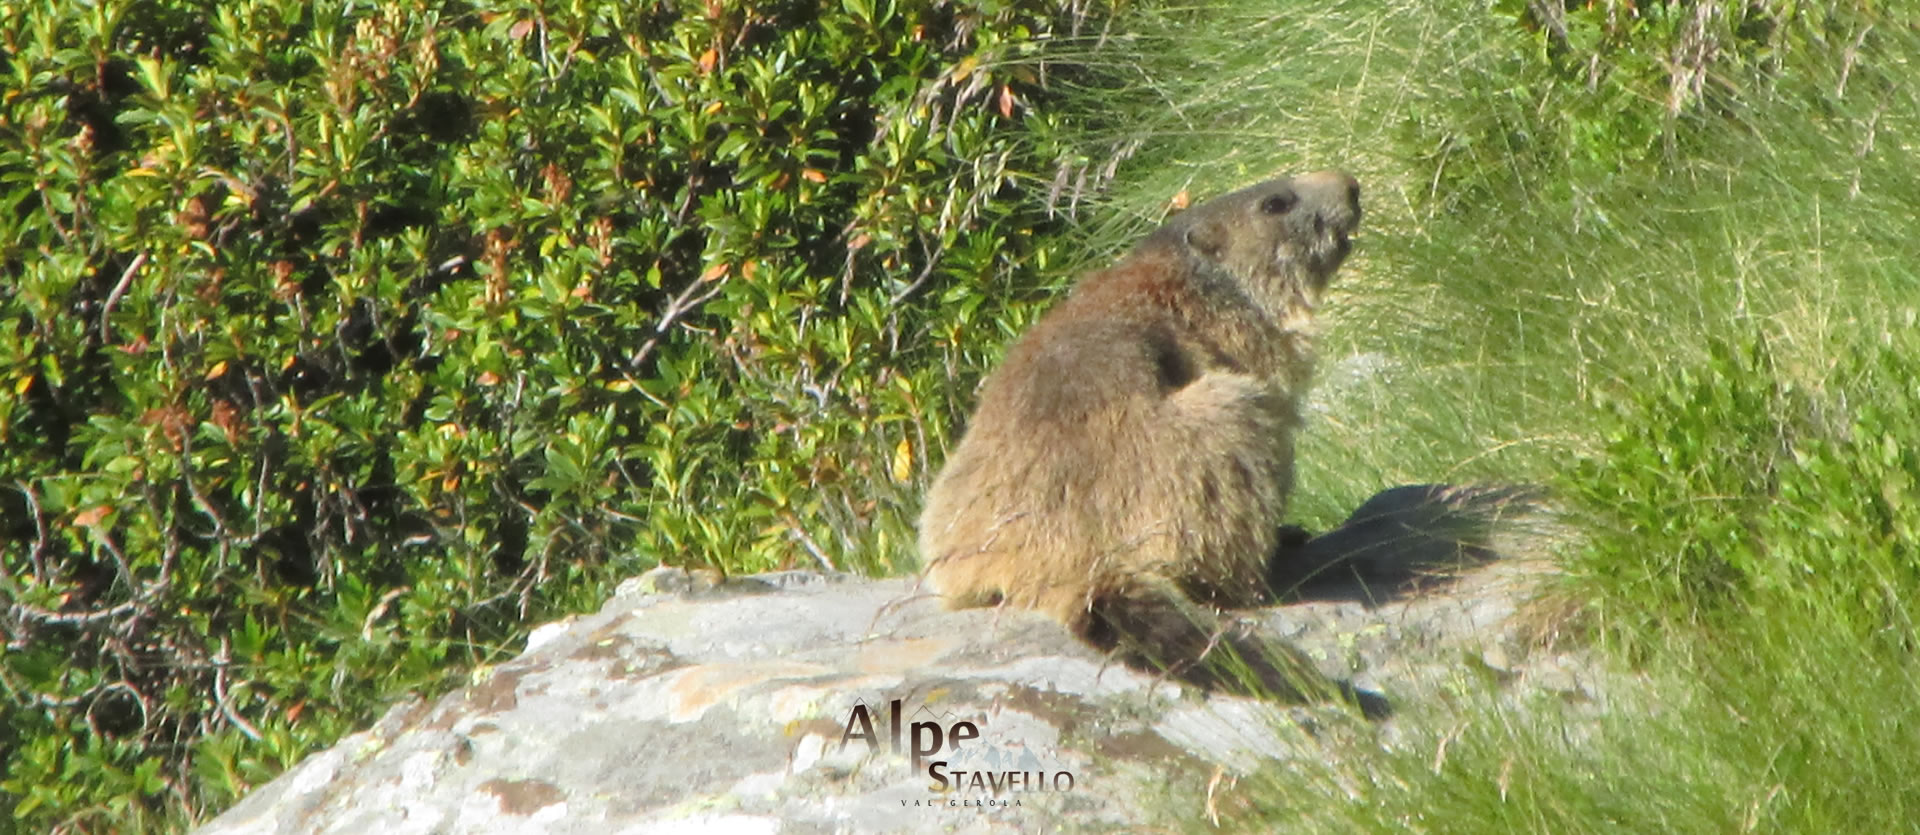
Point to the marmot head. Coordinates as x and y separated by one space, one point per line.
1283 238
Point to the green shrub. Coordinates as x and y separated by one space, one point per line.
1752 550
342 339
1725 490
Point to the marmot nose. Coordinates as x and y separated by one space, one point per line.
1334 194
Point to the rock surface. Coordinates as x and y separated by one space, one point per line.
766 704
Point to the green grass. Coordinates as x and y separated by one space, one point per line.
1698 326
1320 85
1513 295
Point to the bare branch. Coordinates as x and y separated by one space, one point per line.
113 298
685 303
222 698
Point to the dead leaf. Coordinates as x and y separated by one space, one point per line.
903 461
227 417
964 68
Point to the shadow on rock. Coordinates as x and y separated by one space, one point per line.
1400 540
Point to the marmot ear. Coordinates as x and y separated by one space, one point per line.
1206 238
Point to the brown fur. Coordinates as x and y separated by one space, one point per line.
1129 463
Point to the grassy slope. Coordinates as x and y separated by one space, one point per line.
1747 517
1302 86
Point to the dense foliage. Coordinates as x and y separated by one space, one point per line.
1579 90
1815 498
339 339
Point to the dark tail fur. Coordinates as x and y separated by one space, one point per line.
1155 627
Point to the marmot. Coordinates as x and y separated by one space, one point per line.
1129 463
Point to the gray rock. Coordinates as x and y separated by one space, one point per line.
694 704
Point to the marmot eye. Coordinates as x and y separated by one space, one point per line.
1278 204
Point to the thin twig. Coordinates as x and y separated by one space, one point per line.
113 298
807 542
681 305
22 611
926 272
220 664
